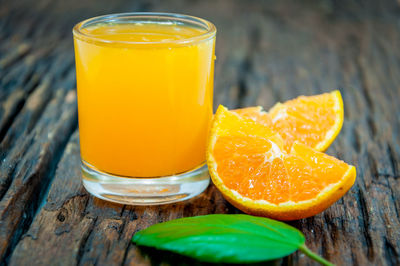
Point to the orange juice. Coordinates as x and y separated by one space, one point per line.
145 93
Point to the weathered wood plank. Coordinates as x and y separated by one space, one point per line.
95 230
30 167
290 69
266 52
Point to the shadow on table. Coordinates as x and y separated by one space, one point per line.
161 257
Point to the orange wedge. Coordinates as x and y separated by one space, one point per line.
249 165
312 120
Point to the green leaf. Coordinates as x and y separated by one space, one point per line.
228 238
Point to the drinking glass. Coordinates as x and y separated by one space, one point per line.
145 100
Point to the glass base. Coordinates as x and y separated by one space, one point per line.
144 191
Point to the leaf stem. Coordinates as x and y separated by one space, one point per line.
314 256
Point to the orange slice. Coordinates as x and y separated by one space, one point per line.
249 165
312 120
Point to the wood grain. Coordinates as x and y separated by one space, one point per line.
266 52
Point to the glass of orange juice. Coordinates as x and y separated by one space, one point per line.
145 102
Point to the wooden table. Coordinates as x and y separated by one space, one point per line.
267 51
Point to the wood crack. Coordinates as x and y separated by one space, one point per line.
388 175
14 55
395 175
364 84
355 139
391 254
82 245
124 257
364 221
17 102
393 161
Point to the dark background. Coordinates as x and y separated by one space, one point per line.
267 51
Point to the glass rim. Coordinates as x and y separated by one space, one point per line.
205 24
